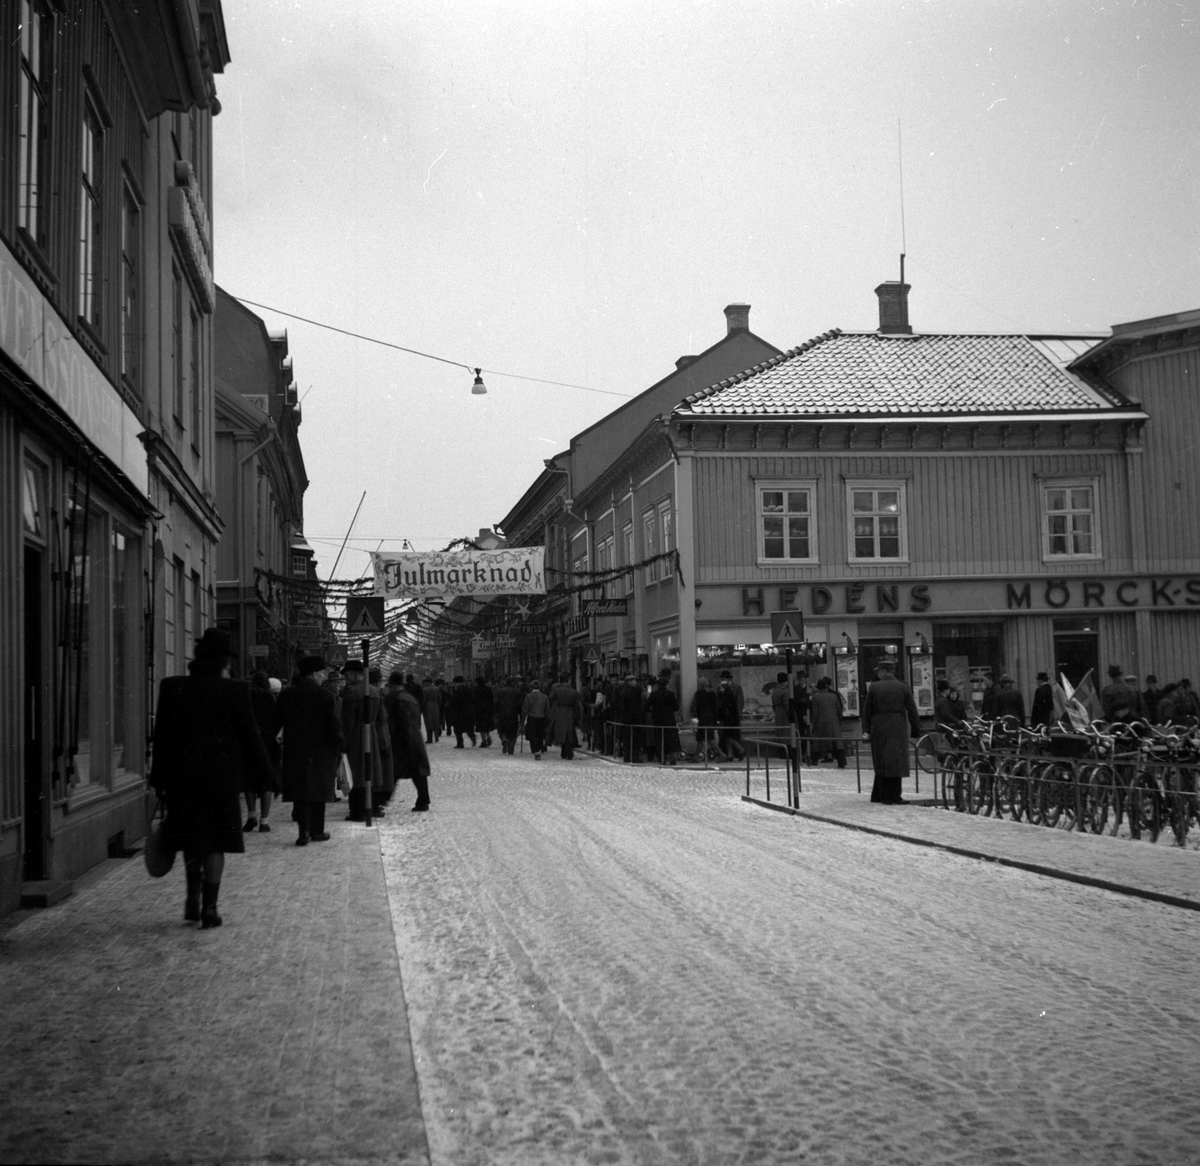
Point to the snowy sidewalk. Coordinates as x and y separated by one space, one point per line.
128 1036
1162 872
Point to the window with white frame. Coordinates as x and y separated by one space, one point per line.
131 298
787 531
665 530
605 548
878 522
1069 521
627 547
650 545
33 99
90 215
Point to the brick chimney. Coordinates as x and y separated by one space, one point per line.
737 318
683 362
893 308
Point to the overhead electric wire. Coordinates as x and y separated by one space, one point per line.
427 355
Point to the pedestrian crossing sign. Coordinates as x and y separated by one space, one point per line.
787 628
364 615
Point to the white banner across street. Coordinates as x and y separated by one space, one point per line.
424 575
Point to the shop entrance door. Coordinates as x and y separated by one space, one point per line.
36 804
1076 651
870 652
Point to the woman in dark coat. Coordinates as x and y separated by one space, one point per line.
312 748
205 744
889 717
506 703
825 713
403 702
482 709
262 701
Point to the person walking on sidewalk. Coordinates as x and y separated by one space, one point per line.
205 740
889 716
312 748
533 713
825 711
410 757
506 702
362 720
564 715
483 711
431 710
460 713
662 707
259 794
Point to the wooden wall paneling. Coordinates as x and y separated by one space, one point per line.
12 686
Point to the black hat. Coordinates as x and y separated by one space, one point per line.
1043 676
311 664
397 677
214 645
352 666
726 675
1116 670
825 682
1151 679
375 675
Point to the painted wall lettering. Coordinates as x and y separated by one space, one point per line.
787 598
854 603
919 594
752 600
1122 588
822 600
1018 598
1093 592
1159 590
1057 594
887 598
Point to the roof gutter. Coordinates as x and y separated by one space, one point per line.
916 418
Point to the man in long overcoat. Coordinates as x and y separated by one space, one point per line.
889 717
460 712
506 703
825 712
409 755
362 709
1042 712
431 710
564 714
629 713
312 747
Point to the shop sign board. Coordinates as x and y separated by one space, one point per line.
307 637
533 629
258 651
600 607
35 337
421 575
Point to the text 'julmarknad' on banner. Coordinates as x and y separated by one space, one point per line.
423 575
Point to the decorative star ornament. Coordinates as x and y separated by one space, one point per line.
523 609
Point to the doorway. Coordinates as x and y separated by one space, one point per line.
870 652
1076 650
36 794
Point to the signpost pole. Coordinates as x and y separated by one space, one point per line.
366 731
794 728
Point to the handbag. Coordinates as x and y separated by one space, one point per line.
159 855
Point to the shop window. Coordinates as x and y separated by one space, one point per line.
86 655
650 545
32 515
786 523
180 613
666 534
131 296
90 215
627 544
970 655
37 38
878 527
1069 521
177 352
127 676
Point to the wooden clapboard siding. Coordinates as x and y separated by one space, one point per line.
1118 643
1168 385
1029 649
968 512
1174 646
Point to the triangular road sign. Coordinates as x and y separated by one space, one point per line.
364 615
787 628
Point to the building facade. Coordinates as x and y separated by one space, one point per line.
623 532
106 517
267 593
967 505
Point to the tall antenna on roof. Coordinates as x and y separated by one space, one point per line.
900 157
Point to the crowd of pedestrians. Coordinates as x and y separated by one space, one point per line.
218 741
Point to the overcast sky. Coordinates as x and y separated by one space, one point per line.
574 191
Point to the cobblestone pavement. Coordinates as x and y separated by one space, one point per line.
128 1036
635 966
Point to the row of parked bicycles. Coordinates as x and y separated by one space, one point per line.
1105 779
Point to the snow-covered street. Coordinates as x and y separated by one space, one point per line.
634 966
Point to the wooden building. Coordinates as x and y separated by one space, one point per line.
107 522
969 505
267 597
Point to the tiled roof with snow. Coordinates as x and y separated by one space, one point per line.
865 373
